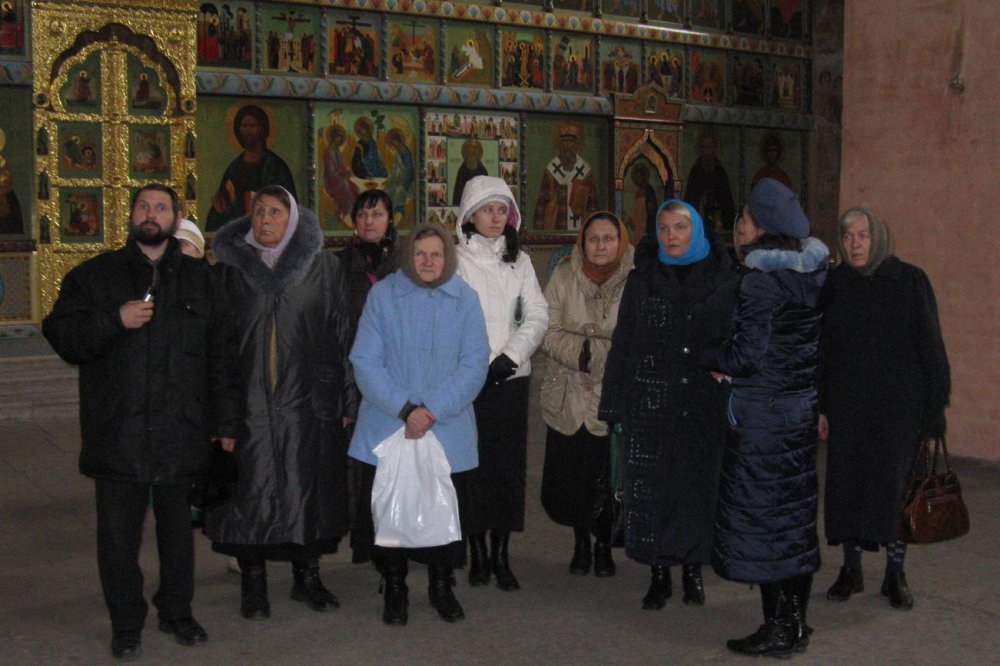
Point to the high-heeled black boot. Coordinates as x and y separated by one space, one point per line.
254 604
396 592
440 593
775 637
580 564
309 589
479 561
500 560
660 589
694 585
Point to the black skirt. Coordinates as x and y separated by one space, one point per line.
573 465
502 423
450 555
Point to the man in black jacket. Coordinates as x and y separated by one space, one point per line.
156 353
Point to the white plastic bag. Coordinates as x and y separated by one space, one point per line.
413 500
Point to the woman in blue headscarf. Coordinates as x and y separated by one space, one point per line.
672 413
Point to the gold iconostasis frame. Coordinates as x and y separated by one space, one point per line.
114 109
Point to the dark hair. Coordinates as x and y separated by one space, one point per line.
275 191
259 116
780 241
370 199
175 201
602 215
509 234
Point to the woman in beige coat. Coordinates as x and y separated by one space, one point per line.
583 295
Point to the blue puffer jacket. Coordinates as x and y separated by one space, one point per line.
766 520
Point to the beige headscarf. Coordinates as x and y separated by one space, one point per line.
881 248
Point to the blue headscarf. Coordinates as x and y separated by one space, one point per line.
699 247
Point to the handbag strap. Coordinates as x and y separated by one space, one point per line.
942 445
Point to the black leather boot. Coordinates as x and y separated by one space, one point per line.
604 564
309 589
804 592
776 636
396 592
694 585
895 588
580 564
441 596
479 561
501 562
660 589
254 604
849 581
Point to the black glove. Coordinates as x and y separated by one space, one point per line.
500 369
935 424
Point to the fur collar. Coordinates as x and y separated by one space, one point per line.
813 256
291 268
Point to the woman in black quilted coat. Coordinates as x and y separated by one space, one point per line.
766 520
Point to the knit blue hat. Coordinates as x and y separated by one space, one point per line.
776 210
699 247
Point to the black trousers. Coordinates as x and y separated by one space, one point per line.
502 422
121 511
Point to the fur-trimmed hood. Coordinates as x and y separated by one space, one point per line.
306 243
802 273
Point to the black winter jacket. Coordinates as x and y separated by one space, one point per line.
292 452
884 375
151 397
766 521
672 412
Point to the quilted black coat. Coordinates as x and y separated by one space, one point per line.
884 374
672 412
292 452
150 397
766 520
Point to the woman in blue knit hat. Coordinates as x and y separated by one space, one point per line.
766 521
672 412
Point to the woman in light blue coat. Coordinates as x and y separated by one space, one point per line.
420 358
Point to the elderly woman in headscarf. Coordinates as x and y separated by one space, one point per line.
766 521
680 296
583 293
290 306
885 383
420 356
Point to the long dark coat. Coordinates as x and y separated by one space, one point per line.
359 281
672 412
884 372
293 451
768 494
150 397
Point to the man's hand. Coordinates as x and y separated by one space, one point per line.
228 444
418 423
135 314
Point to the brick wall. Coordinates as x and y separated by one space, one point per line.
927 157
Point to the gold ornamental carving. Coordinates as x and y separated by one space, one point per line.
114 97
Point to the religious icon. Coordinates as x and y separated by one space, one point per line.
225 35
353 43
708 13
573 64
80 214
80 150
470 54
770 154
568 191
748 16
12 30
291 42
665 66
150 151
11 218
786 85
666 10
708 186
620 62
413 50
146 95
786 19
708 71
747 79
523 58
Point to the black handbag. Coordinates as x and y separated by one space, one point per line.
218 484
932 508
609 516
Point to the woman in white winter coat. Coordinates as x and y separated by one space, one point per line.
517 316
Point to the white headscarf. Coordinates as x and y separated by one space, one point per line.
270 255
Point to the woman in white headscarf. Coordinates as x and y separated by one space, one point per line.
289 301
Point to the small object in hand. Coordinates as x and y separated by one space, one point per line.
150 295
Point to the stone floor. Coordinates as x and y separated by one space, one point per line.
51 610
